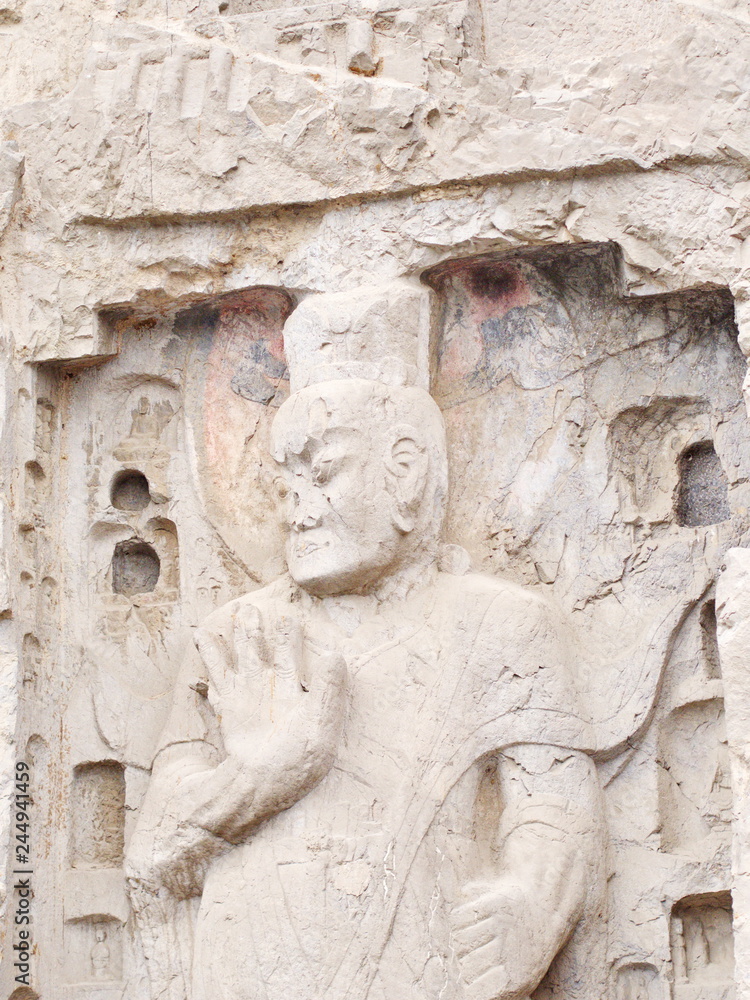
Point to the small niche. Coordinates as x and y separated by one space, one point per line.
638 981
48 594
130 491
693 780
702 492
702 942
32 658
28 591
98 815
45 426
709 640
94 951
135 568
35 482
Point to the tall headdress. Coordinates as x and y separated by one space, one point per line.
379 332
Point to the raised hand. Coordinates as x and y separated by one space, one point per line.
270 679
280 699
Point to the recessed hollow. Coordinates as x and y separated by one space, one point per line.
702 492
135 568
694 778
709 640
638 979
97 815
702 941
130 491
34 472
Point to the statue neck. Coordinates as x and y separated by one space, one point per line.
397 586
350 611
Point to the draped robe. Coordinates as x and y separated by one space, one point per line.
346 895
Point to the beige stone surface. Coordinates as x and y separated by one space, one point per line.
375 500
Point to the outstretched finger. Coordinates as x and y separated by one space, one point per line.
470 938
477 889
477 909
249 642
327 676
287 655
480 962
216 656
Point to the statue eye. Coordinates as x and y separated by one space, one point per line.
281 487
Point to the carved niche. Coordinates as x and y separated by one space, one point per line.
498 653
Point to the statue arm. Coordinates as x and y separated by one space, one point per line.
270 767
165 850
217 779
546 861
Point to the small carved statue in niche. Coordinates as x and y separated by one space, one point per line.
100 954
374 774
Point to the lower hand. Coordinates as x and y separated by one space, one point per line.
486 936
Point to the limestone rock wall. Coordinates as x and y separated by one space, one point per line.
565 186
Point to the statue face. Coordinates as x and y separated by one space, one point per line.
342 534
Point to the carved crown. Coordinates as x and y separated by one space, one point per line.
376 332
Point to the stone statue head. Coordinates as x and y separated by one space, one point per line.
363 474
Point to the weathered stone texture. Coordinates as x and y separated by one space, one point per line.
375 499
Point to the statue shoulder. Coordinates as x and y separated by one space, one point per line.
506 622
521 653
498 599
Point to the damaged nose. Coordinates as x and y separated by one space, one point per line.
302 521
307 508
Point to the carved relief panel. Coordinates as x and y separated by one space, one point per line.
471 760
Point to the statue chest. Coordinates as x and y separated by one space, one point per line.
398 703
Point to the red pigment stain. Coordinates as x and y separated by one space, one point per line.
227 417
460 353
493 290
493 287
476 291
259 317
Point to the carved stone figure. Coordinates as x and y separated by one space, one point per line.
373 775
492 743
100 954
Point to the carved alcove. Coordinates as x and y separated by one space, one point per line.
136 568
709 640
94 955
130 490
694 783
569 413
701 496
693 778
638 981
702 947
95 908
97 805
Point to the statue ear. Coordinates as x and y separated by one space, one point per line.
406 462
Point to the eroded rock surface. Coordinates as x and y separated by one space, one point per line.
373 593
